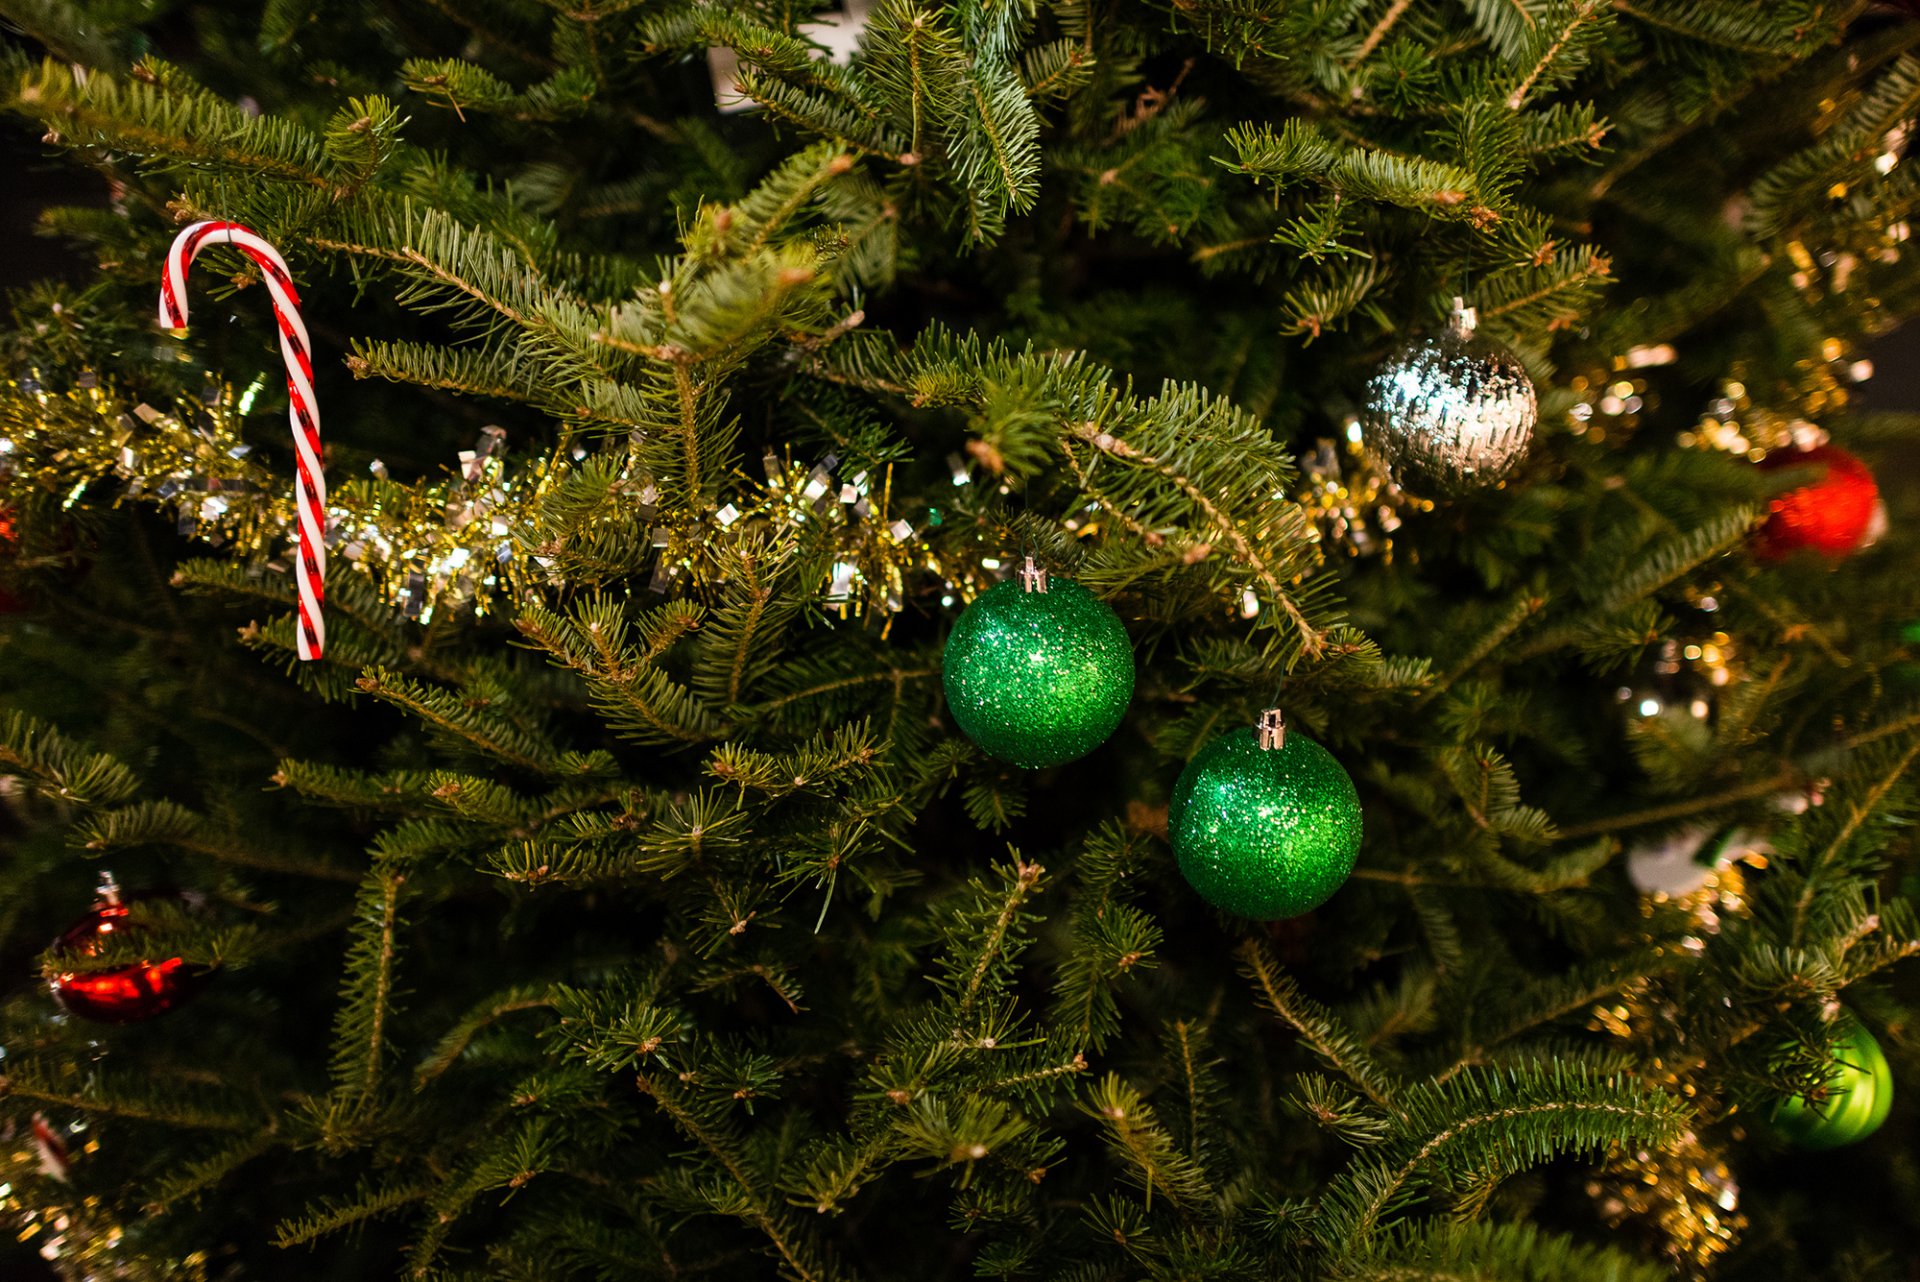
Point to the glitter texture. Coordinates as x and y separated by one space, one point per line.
1450 414
1859 1097
1264 833
1038 678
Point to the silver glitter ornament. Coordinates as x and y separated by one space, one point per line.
1450 414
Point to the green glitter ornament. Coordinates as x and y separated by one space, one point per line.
1265 823
1038 673
1858 1098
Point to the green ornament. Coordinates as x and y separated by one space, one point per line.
1859 1096
1907 674
1265 831
1038 672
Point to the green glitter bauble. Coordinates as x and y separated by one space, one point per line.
1038 678
1264 833
1858 1098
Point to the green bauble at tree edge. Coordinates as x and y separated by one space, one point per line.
1265 832
1858 1097
1038 672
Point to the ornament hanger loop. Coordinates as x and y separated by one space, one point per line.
1464 319
1032 577
109 888
1272 729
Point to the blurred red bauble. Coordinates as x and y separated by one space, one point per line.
1831 514
123 994
11 602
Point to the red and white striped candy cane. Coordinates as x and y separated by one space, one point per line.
310 494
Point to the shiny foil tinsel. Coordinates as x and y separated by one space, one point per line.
1684 1196
1450 414
453 541
1355 506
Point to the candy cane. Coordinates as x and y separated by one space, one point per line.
310 494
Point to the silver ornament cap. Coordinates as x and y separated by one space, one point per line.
1451 413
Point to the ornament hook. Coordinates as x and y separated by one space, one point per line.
1032 577
1464 319
109 888
1272 729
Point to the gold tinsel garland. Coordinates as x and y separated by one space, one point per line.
1684 1191
430 546
1351 499
1684 1195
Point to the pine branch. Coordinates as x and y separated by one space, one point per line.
57 767
1742 30
1312 639
194 1179
989 931
1326 1035
1583 12
495 372
1151 1158
1483 1125
1110 938
469 721
1524 607
806 1263
1379 31
1454 1252
169 122
454 1042
166 1101
963 1133
340 1214
623 676
356 789
1859 812
1771 786
1547 999
462 87
617 1026
166 823
1186 1042
360 1041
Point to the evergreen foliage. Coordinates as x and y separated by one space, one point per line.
654 921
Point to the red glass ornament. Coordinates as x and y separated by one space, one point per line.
124 994
1830 514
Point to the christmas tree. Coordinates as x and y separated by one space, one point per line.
923 644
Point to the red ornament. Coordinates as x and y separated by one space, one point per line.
1831 514
124 994
11 602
